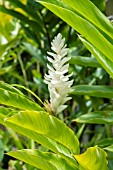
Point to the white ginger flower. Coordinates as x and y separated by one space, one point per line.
57 79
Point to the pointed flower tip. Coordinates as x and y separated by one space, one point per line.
56 79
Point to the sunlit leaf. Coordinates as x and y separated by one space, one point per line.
81 25
109 148
47 125
92 14
93 159
34 160
42 160
39 137
17 100
102 59
44 129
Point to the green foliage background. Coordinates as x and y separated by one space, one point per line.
26 31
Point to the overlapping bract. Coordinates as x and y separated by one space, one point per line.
57 79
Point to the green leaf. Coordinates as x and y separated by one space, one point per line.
100 4
42 160
81 25
46 130
8 87
102 59
88 10
28 90
93 159
47 125
10 98
109 148
94 90
33 159
84 61
105 142
3 113
98 117
39 138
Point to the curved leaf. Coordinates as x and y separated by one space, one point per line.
47 125
109 148
102 59
28 90
93 14
93 159
8 87
39 138
99 117
32 159
82 26
94 90
42 160
17 100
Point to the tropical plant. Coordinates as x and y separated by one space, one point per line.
25 116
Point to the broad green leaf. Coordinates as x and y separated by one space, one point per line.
47 142
109 148
39 138
17 100
84 61
93 90
98 117
102 59
93 159
41 159
88 10
37 135
82 26
33 159
46 125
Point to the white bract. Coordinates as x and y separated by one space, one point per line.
57 79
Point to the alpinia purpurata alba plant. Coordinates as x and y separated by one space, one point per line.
57 79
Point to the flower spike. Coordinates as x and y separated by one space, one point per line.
57 79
